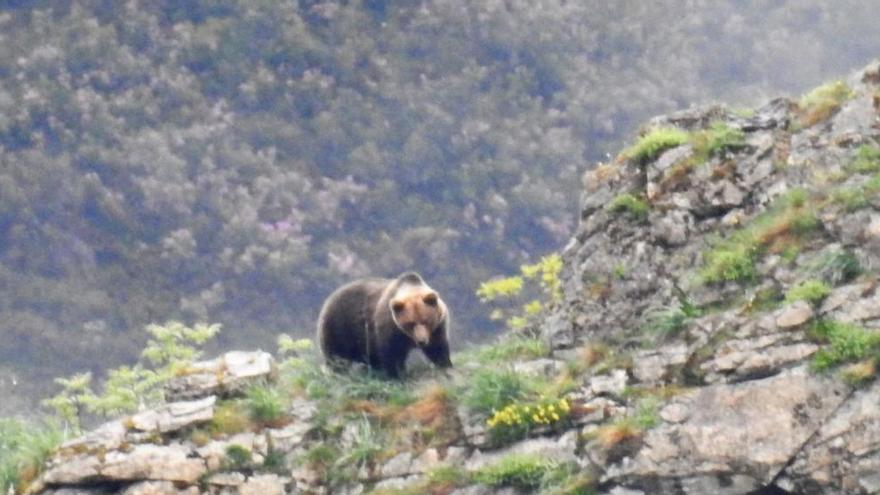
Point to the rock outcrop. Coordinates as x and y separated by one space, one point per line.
729 274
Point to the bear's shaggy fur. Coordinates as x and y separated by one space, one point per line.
379 321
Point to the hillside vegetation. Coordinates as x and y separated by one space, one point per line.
233 161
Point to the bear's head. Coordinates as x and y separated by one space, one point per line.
417 311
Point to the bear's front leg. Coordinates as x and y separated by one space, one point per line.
438 352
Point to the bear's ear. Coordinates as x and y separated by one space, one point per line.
397 306
430 299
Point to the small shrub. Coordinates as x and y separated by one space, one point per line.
649 146
731 262
867 160
170 350
522 299
823 102
506 287
837 266
491 390
237 457
275 462
627 203
812 291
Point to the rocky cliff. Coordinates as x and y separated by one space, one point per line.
719 334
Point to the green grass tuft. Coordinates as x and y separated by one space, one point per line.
669 322
366 445
627 203
783 227
812 291
867 160
730 262
528 472
649 146
265 404
492 389
847 343
717 140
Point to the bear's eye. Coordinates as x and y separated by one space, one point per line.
430 299
397 306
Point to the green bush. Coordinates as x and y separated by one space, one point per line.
649 146
171 348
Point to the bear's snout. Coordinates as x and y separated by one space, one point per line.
421 335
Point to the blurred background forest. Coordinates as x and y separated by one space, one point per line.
233 161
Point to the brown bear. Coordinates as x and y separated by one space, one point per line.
379 321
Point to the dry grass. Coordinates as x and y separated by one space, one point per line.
229 418
823 102
604 172
860 372
612 435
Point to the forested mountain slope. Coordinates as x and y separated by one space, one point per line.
233 161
